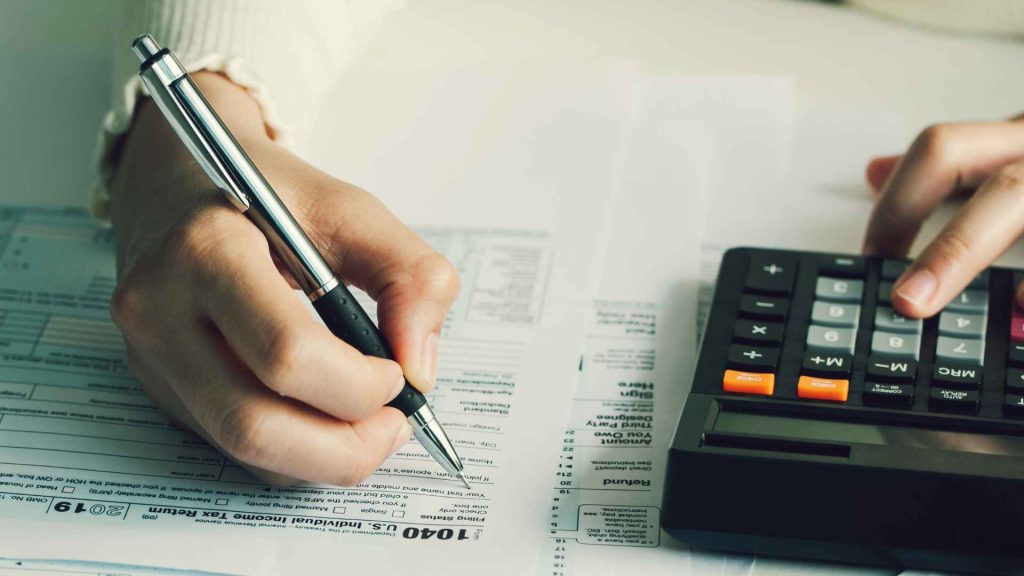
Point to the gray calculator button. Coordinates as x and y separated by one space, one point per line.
826 339
970 300
960 350
838 289
893 269
838 315
894 345
890 320
958 324
885 292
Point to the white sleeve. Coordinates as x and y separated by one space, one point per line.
286 54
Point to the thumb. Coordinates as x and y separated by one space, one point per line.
412 283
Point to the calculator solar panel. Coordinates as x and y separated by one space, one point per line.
823 424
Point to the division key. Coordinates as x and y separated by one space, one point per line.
771 274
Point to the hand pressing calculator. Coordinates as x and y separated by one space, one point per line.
822 424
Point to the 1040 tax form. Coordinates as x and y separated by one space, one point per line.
89 462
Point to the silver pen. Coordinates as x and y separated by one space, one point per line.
224 161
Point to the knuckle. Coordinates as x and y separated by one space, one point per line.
951 247
243 434
439 277
280 357
1009 178
127 304
935 143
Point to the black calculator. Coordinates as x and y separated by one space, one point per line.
824 425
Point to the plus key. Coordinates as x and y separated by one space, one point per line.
753 358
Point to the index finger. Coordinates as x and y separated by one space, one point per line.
984 229
942 160
277 336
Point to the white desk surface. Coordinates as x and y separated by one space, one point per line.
847 64
866 86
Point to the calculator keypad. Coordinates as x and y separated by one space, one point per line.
831 336
854 348
758 335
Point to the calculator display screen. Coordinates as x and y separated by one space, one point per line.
861 433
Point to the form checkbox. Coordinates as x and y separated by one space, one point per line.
398 514
339 509
221 502
68 489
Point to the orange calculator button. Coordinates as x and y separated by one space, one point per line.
748 382
822 388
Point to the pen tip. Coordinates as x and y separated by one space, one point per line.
463 479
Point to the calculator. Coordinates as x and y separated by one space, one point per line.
822 424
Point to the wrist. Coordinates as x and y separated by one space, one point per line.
236 107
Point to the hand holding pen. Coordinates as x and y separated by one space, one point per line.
215 333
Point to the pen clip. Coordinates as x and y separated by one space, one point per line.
201 150
163 77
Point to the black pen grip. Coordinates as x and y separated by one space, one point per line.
348 321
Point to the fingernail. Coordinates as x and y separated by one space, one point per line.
403 436
429 359
918 287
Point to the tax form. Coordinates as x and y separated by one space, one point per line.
86 459
641 344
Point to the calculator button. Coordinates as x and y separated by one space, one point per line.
960 350
771 274
888 394
890 320
763 308
822 339
1015 380
831 314
893 269
885 292
970 300
1017 328
961 325
827 365
893 345
748 383
814 388
753 357
1016 355
980 281
843 266
959 377
890 370
954 400
838 289
1013 405
758 332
